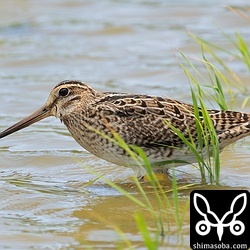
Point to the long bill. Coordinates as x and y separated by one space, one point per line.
38 115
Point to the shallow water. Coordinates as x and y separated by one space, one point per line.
128 46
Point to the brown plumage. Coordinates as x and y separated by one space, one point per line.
92 117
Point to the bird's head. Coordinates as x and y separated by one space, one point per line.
63 98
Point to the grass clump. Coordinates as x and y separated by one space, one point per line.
206 146
216 85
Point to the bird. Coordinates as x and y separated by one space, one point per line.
95 119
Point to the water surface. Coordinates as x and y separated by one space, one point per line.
128 46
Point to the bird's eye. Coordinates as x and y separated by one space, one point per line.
63 91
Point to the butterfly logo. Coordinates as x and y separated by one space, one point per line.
203 227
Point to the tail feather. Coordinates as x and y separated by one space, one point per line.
230 126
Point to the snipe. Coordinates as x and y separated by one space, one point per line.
140 120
